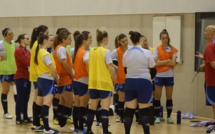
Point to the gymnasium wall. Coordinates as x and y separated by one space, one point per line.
187 96
10 8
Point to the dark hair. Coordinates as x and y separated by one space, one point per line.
60 29
165 32
36 32
20 37
101 33
116 42
41 39
5 31
58 39
135 37
121 36
86 34
79 38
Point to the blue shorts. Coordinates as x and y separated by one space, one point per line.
75 89
82 88
96 94
120 87
164 81
65 88
137 88
56 90
7 78
45 87
210 95
35 85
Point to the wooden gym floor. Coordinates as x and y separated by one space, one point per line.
8 126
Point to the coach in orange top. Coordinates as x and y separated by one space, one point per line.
165 57
64 70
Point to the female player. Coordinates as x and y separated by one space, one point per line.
46 75
138 85
42 29
165 57
7 68
64 69
120 77
80 60
23 85
101 80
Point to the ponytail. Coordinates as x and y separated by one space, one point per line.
165 32
78 37
40 42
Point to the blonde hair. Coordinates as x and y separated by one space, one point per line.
101 33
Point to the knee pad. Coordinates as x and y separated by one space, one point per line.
144 111
169 103
129 112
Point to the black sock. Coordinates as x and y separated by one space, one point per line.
115 98
104 120
151 114
4 102
121 109
145 120
157 105
55 107
169 107
90 118
59 113
15 96
129 114
75 117
81 117
45 116
33 111
66 112
137 114
36 118
98 113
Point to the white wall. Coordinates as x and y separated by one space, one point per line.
14 8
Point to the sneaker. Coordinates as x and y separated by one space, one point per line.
210 128
19 122
82 131
50 131
157 120
55 122
169 120
38 128
75 131
97 125
33 127
28 121
117 119
69 120
7 116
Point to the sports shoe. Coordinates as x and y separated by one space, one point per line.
69 120
50 131
82 131
210 128
7 116
169 120
33 127
28 121
117 119
55 122
38 128
19 122
75 131
157 120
